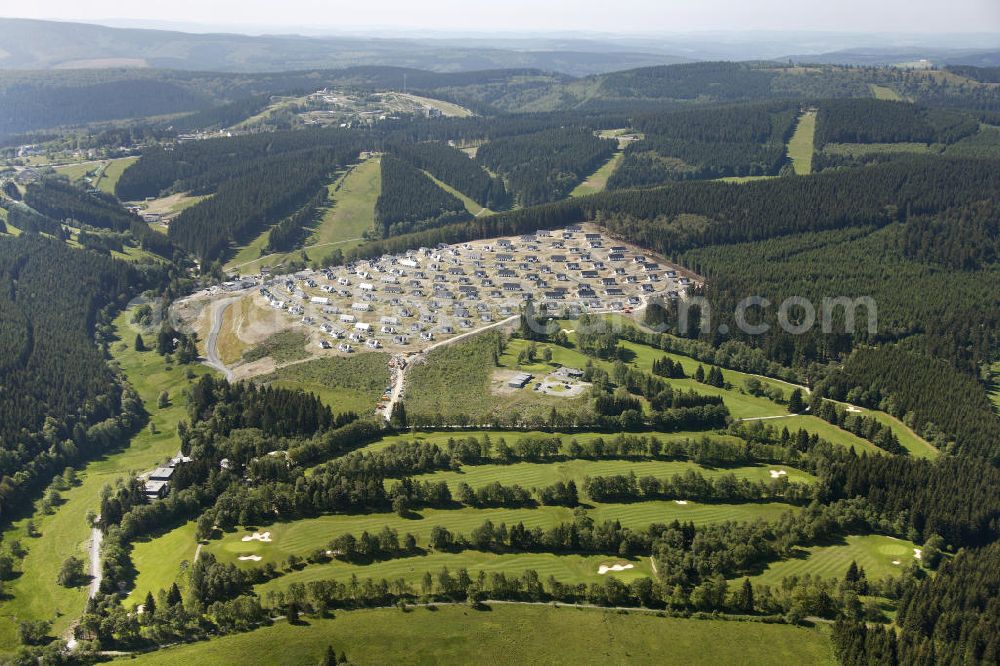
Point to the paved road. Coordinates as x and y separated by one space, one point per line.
397 387
218 312
96 573
768 418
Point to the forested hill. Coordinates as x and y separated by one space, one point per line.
893 232
660 218
32 44
54 380
37 100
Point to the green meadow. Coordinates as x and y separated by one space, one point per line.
511 634
35 594
881 556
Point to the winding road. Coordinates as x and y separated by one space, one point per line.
397 388
211 345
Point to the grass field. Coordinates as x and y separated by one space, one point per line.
470 205
341 225
458 380
159 559
352 383
876 553
861 149
986 143
536 475
741 405
800 146
512 634
572 569
433 387
885 92
35 594
78 171
111 172
447 109
353 209
104 174
918 447
743 179
284 347
302 537
249 253
11 230
598 181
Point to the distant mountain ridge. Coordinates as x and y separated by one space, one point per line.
874 56
32 44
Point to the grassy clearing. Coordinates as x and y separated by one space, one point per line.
911 441
741 405
986 143
353 210
800 146
302 537
536 475
435 387
11 229
566 568
470 205
78 171
452 378
284 347
877 554
598 181
743 179
159 560
512 634
352 383
250 252
458 380
885 92
111 172
340 227
35 594
994 390
862 149
447 109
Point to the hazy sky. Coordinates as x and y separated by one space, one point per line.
625 16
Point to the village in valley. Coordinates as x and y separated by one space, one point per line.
406 303
411 303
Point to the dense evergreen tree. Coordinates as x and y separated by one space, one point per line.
410 201
455 168
545 166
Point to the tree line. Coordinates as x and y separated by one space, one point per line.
545 166
452 166
410 201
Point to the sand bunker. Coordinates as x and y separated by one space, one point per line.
853 409
681 502
603 569
777 473
252 558
896 562
918 553
264 537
